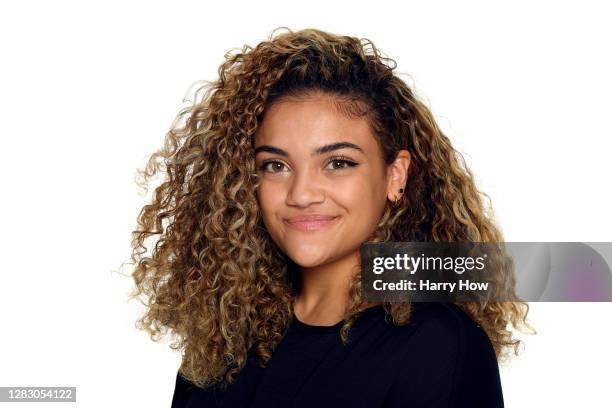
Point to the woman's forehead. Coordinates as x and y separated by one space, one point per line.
311 123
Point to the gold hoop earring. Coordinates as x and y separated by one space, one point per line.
398 199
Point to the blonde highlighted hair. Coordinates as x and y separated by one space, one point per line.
215 278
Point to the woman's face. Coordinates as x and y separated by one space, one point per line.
323 182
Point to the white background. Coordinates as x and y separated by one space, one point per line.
88 90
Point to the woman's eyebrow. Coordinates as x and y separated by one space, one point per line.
320 150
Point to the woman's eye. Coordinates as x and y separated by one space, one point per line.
272 166
341 163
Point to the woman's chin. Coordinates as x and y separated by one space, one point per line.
309 258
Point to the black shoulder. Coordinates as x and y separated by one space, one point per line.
449 321
437 325
448 360
478 382
182 389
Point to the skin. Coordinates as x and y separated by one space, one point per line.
297 181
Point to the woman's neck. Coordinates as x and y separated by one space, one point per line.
324 293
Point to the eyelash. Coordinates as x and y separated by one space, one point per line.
343 159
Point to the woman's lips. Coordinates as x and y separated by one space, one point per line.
312 223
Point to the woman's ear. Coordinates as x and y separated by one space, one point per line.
397 174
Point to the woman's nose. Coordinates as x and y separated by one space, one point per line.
305 188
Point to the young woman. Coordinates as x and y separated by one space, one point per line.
306 147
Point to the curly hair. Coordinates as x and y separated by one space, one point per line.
215 278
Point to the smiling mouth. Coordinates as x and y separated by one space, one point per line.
308 225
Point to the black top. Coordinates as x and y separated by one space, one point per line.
442 358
